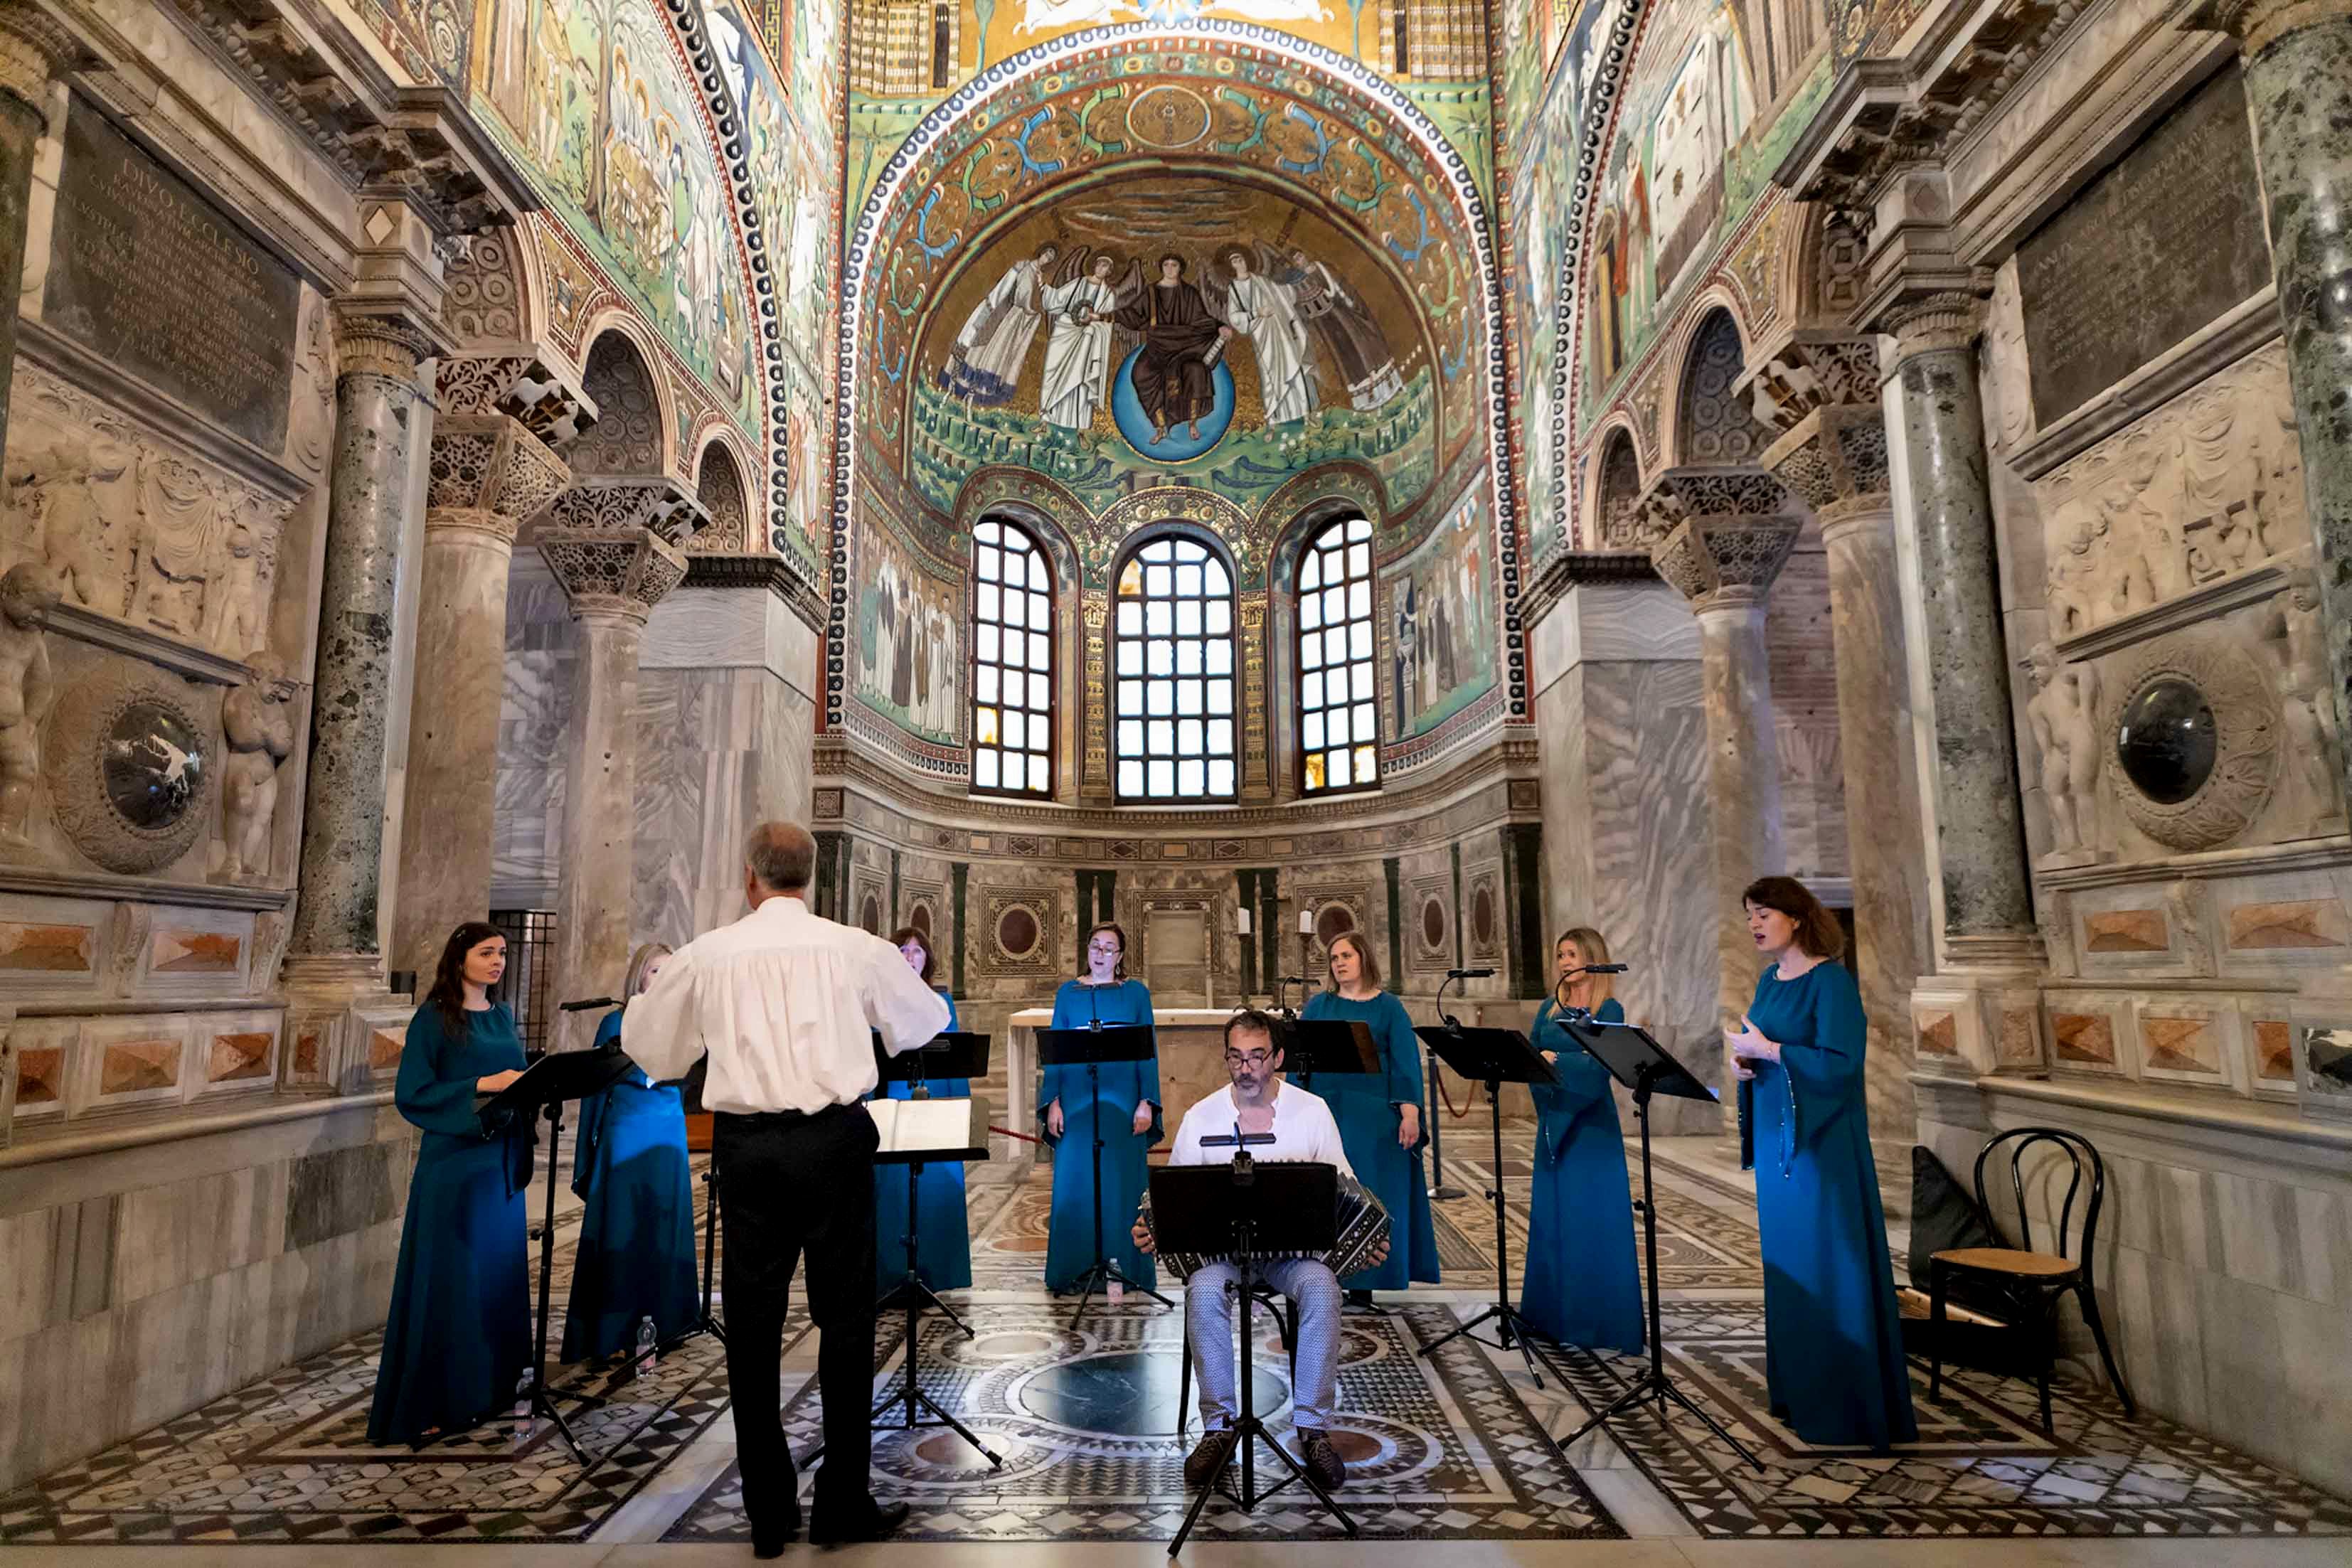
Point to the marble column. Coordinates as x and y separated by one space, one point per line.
613 545
1988 901
2297 55
34 48
492 467
1725 533
381 413
1833 454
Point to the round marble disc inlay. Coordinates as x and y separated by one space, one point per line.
153 764
1127 1394
2165 742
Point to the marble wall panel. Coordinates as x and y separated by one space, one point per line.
53 947
534 709
2188 1039
1805 713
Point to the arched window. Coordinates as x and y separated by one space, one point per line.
1339 727
1172 730
1012 662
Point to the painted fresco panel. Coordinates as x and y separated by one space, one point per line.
910 649
1441 611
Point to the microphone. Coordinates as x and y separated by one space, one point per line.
583 1006
1293 980
1601 969
1468 974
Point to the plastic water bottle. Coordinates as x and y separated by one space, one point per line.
645 1356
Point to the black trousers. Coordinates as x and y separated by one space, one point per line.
792 1184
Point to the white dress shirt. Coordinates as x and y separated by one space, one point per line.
786 1003
1304 1132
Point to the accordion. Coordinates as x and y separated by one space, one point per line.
1363 1224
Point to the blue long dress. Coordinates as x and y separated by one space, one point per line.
458 1336
1070 1242
943 1228
1583 1285
1833 1334
636 1257
1365 1105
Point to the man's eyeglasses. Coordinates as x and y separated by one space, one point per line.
1252 1060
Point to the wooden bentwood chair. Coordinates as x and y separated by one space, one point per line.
2036 1282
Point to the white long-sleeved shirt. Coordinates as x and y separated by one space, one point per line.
1304 1132
786 1003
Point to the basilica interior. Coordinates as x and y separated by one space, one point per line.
1620 449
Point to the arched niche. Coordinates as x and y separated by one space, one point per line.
631 435
1617 491
1714 427
719 483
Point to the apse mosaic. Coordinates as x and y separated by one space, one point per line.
1441 602
1180 325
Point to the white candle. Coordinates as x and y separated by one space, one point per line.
1307 922
1244 919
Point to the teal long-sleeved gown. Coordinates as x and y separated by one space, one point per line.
1583 1284
1365 1105
1832 1333
942 1227
458 1337
1070 1243
636 1258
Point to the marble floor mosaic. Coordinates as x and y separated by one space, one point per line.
1438 1449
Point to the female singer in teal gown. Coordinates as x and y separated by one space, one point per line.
635 1259
458 1337
1379 1115
1129 1107
1583 1286
1833 1334
942 1227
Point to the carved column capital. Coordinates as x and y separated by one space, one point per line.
515 381
2256 23
379 342
1809 369
1834 459
606 574
489 474
1924 323
35 48
1721 534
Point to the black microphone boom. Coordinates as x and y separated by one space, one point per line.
1606 968
1468 974
584 1004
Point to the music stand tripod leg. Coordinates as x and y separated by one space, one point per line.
542 1404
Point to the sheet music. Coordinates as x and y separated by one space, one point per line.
907 1125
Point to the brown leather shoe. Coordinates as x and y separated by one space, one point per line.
1200 1466
1322 1461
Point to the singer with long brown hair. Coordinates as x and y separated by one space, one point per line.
1582 1285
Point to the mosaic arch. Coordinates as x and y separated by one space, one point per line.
1281 110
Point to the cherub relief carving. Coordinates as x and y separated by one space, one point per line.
2313 743
2063 713
69 495
26 596
259 726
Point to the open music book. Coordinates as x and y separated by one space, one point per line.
907 1125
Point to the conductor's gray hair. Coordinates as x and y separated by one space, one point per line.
781 855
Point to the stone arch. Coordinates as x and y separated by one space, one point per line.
1826 266
1298 511
722 484
1037 504
634 421
1714 427
493 293
1616 489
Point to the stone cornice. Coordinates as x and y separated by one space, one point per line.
759 571
1567 569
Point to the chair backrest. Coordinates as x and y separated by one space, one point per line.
2079 1154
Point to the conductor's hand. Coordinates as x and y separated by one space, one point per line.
1407 1126
1053 1118
1551 1057
1142 1117
495 1081
1143 1242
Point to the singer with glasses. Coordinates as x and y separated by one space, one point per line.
1380 1116
635 1259
458 1338
942 1225
1827 1282
1583 1286
1119 1102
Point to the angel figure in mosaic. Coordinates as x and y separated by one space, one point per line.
1078 305
1250 300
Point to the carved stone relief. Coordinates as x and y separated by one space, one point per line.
2195 685
2063 715
257 726
26 690
2207 486
132 529
2314 749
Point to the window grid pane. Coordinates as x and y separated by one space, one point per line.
1013 677
1174 627
1339 736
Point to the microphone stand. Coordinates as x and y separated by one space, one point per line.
1106 1271
1438 1190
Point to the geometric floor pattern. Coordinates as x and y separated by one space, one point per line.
1438 1449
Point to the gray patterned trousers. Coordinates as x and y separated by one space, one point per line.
1209 1313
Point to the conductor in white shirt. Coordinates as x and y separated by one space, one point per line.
785 1004
1258 1101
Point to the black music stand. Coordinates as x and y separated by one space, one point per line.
1494 1057
542 1088
1310 1046
1643 1066
973 1146
1241 1210
1091 1047
690 1100
954 1055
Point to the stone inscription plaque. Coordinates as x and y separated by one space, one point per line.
2154 248
145 272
